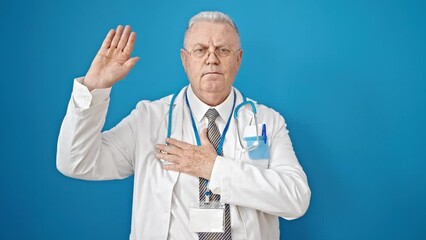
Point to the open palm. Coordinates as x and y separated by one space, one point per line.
112 62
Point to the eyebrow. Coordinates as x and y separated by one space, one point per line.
206 46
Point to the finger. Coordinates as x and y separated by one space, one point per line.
117 36
107 41
170 149
130 63
178 143
168 157
204 138
172 167
130 44
124 37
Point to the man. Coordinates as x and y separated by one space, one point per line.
194 179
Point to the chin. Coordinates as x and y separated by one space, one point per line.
213 86
212 81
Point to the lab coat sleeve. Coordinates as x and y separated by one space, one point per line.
84 99
281 189
83 151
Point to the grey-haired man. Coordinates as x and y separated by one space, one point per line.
198 172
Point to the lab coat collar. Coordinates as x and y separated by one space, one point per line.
180 99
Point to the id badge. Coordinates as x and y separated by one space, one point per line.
261 152
208 217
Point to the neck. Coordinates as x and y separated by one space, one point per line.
212 99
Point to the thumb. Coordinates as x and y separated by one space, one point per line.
130 63
204 138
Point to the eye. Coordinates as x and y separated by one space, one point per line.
199 52
223 51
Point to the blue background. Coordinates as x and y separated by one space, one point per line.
348 76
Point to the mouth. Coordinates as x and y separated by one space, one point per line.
211 73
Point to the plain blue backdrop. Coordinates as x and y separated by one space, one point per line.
348 76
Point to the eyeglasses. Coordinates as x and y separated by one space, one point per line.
201 52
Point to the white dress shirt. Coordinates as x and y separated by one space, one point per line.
185 193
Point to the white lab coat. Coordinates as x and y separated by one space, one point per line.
262 192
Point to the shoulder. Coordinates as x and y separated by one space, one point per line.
264 113
268 115
162 103
264 110
159 106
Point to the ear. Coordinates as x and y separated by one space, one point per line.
184 58
240 57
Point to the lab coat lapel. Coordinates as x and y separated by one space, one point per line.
177 126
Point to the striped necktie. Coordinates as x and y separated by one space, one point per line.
214 137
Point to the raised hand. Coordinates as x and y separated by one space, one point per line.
112 62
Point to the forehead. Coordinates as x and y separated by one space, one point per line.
209 33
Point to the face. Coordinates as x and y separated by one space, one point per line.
211 75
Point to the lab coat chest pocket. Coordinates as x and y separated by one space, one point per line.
259 156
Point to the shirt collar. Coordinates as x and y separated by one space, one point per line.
199 108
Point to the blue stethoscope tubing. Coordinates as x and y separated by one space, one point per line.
235 114
225 130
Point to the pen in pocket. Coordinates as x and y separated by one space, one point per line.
264 132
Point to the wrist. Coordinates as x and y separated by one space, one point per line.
94 83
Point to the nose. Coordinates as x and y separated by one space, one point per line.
212 58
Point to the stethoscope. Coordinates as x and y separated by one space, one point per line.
234 113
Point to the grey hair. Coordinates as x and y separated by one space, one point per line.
214 17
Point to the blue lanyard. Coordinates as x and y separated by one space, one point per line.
197 135
172 101
194 126
225 130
